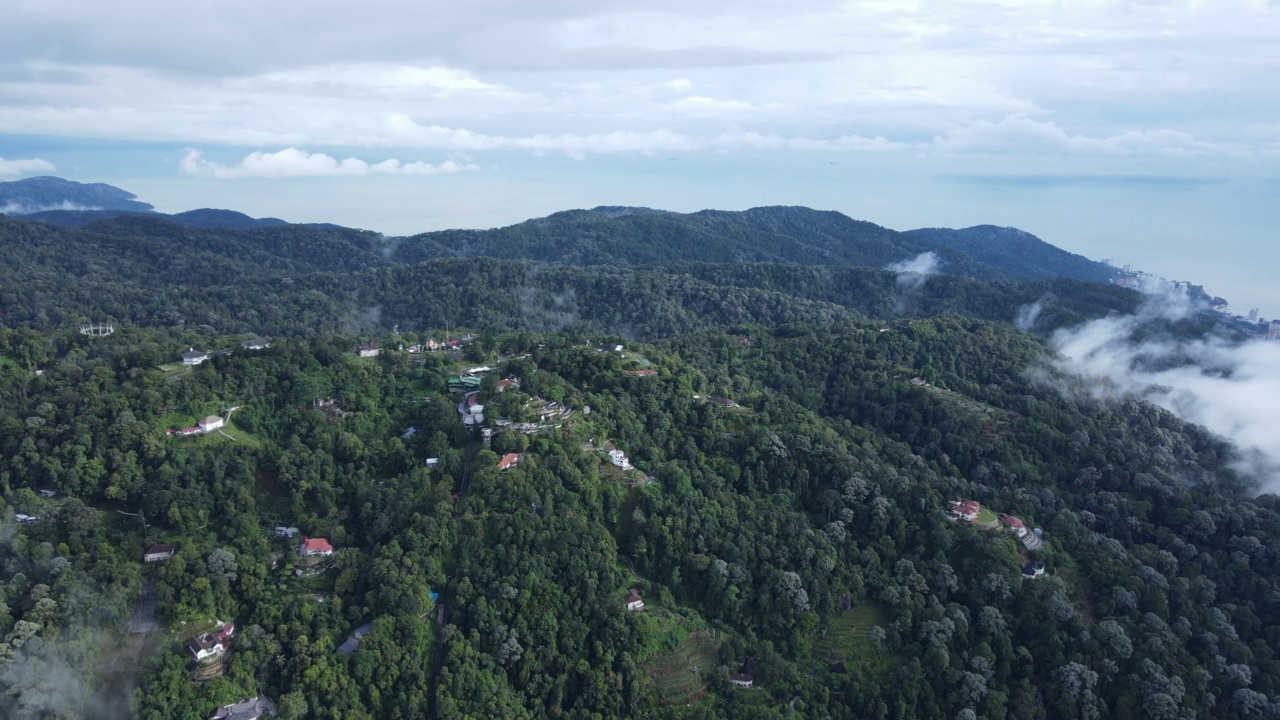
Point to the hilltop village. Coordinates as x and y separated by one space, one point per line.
440 523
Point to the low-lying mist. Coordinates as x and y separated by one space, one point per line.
1229 386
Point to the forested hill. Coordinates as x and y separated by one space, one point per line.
785 501
202 218
291 280
52 193
638 236
1020 253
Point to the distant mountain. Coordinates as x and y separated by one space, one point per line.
39 194
151 252
628 237
202 218
1019 253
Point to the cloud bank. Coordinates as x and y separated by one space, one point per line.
25 166
15 208
1228 387
294 163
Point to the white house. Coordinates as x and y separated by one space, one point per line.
211 423
619 458
26 519
256 344
633 601
194 357
368 350
158 553
204 647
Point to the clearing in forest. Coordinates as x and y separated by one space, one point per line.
997 424
673 673
846 638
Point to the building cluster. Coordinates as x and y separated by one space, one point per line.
433 346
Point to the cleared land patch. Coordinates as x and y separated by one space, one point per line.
846 638
673 673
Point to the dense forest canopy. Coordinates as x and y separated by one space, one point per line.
304 469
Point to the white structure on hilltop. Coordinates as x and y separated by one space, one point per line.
619 458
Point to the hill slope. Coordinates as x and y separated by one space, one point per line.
638 236
1020 253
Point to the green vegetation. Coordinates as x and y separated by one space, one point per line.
760 527
846 638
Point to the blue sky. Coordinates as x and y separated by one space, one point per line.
1143 132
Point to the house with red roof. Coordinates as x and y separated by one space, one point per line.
964 510
509 461
1031 539
641 373
315 547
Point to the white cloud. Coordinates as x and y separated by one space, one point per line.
1016 133
912 273
1221 385
24 166
293 163
16 208
977 76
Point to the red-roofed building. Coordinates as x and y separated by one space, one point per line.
509 461
1013 522
223 634
505 383
966 510
315 547
641 373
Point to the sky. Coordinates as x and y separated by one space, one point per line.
1143 132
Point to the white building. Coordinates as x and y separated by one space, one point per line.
194 357
211 423
619 458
